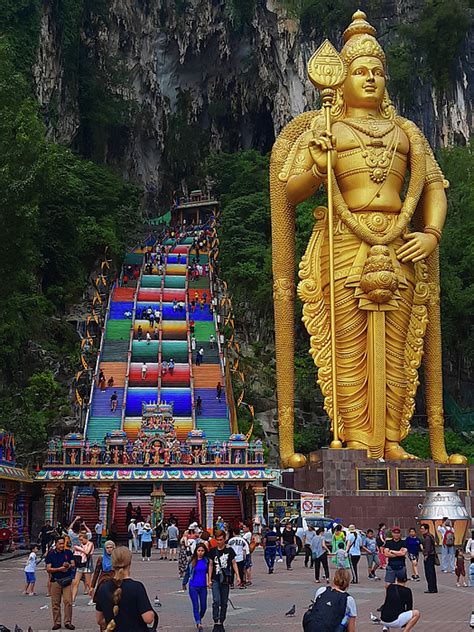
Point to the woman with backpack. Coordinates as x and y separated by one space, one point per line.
334 610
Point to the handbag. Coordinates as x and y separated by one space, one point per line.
436 559
64 581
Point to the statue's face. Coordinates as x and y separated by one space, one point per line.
365 83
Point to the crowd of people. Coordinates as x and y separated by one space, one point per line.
222 561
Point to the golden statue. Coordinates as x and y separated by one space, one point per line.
371 267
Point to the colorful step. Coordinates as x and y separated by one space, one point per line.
138 396
211 355
101 402
181 248
180 376
169 313
178 258
151 280
98 427
178 269
135 376
123 294
174 330
117 370
174 281
207 376
144 352
211 407
202 315
181 399
149 295
146 327
176 349
202 282
203 329
118 329
118 309
215 429
115 351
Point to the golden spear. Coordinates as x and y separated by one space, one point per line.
327 71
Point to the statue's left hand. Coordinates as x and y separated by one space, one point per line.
418 247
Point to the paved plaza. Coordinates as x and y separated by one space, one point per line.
259 607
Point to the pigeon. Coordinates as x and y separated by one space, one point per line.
18 629
374 618
157 602
291 612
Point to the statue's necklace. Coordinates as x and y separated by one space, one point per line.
375 128
378 157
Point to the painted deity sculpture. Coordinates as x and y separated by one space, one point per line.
385 259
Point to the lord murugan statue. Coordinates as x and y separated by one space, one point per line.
369 280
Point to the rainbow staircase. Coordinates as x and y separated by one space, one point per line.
125 350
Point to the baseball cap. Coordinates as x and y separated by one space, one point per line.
396 529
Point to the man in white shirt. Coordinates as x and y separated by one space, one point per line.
446 538
98 533
241 549
132 536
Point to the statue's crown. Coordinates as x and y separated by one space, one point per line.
359 40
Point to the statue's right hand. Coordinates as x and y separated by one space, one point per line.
322 147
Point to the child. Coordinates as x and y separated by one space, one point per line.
460 569
413 548
370 547
342 556
30 572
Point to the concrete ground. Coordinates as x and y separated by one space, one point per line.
260 607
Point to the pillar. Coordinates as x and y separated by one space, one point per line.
104 495
209 491
50 492
259 493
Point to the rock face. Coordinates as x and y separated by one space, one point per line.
241 83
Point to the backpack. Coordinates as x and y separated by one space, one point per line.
327 612
164 535
448 539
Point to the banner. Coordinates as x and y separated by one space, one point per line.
312 505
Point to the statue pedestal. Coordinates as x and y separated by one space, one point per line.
365 492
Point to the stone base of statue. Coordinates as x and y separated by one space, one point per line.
365 492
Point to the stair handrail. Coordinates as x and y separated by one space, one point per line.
97 362
188 338
130 346
72 505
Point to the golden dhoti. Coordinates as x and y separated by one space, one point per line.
378 345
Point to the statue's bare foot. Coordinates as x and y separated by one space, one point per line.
457 459
395 452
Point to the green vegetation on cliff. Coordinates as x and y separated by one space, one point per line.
57 213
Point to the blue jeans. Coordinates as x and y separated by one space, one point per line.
270 555
220 599
198 596
447 558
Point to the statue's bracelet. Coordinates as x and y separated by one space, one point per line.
433 230
317 174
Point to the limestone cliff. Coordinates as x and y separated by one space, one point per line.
190 66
